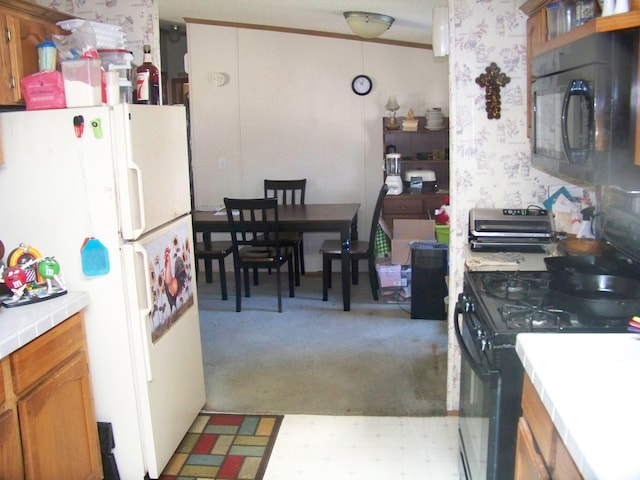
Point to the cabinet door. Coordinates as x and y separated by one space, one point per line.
19 52
536 36
29 33
529 463
58 425
9 93
10 449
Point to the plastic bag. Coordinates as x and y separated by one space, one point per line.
81 43
43 90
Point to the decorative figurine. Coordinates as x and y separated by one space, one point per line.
30 277
442 213
16 279
49 268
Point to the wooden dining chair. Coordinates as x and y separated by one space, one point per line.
208 251
358 250
256 242
290 192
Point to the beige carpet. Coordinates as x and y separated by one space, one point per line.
314 358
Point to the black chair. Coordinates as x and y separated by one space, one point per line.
256 242
332 250
209 251
289 192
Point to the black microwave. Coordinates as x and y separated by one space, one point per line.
584 110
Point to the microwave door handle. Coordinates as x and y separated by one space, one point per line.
576 88
485 374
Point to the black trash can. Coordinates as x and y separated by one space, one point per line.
429 267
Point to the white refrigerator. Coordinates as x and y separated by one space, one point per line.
105 191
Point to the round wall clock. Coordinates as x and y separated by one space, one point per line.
361 85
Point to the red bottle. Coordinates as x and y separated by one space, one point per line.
147 80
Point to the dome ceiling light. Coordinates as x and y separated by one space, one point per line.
368 25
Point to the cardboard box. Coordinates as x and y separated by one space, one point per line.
389 275
407 231
401 291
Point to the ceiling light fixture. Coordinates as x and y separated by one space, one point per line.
175 33
368 25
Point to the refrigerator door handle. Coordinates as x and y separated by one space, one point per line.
140 203
144 311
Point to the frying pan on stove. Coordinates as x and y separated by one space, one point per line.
587 265
604 296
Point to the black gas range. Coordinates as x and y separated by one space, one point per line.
521 301
492 309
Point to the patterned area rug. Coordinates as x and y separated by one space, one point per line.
224 446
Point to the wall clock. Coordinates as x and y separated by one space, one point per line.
361 85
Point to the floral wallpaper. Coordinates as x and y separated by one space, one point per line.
490 158
138 18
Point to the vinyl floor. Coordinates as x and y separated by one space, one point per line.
317 447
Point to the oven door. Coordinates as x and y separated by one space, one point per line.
480 393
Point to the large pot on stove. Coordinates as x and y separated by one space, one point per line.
597 297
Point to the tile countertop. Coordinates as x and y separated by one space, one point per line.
20 325
588 383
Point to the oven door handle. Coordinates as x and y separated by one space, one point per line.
486 374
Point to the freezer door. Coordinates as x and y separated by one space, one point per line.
161 298
152 166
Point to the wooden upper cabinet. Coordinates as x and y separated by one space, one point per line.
24 25
537 43
537 29
536 37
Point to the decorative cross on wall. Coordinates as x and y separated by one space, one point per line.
492 81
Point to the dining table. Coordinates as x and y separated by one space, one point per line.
326 217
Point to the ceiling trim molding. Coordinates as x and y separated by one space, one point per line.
316 33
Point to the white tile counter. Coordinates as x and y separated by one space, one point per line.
509 261
590 385
20 325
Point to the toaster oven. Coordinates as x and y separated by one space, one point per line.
509 229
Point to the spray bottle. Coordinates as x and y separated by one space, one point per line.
586 230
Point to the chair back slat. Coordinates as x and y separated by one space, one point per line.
255 223
288 192
376 216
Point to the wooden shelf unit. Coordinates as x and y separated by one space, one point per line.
415 147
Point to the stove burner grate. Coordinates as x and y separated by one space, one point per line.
531 317
510 285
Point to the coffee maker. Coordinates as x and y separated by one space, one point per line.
393 178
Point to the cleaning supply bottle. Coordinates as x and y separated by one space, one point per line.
585 226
